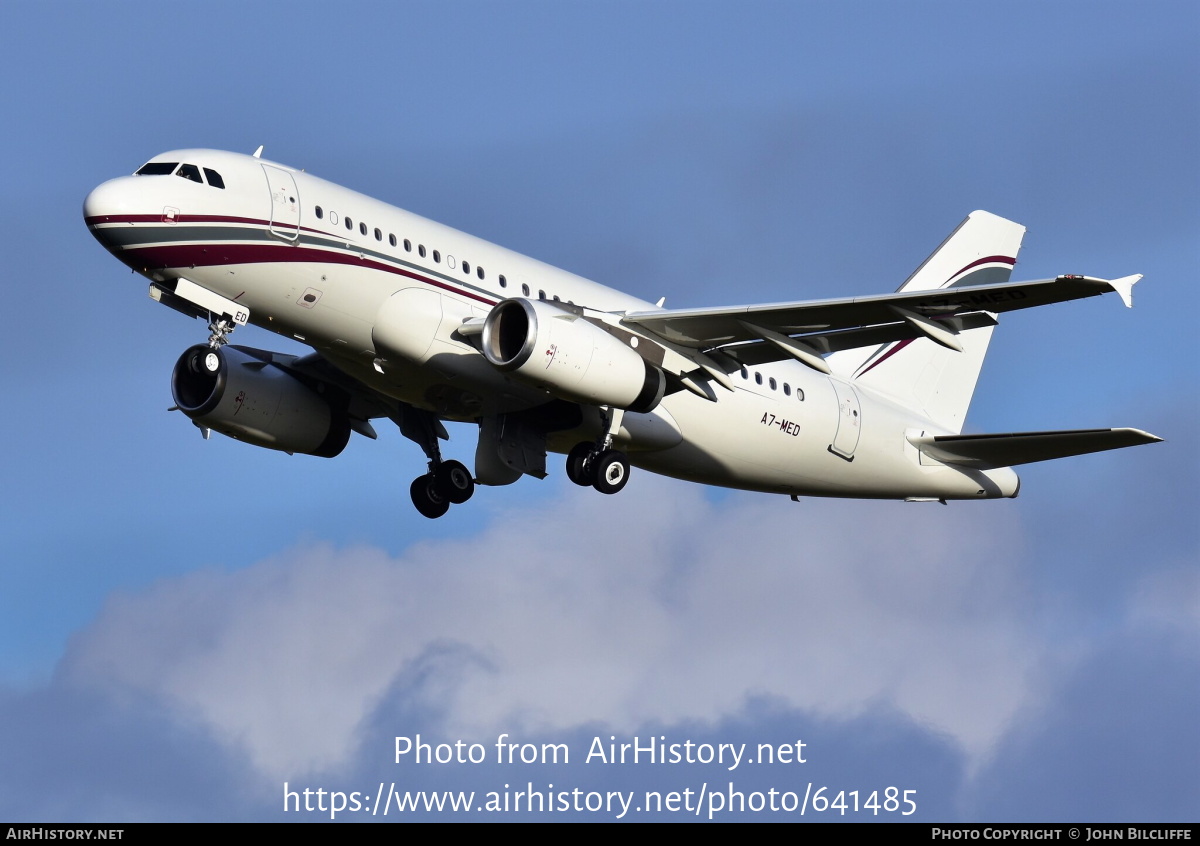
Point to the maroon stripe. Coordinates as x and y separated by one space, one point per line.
1009 260
989 260
211 255
182 218
199 218
899 346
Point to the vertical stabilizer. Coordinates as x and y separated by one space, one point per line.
933 380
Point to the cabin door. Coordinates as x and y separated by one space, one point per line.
285 203
849 426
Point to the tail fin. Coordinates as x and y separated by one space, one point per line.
929 378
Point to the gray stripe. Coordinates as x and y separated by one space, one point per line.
139 236
985 276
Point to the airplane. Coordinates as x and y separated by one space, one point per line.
415 322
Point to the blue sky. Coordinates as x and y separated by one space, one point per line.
186 625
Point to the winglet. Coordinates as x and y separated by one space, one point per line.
1124 288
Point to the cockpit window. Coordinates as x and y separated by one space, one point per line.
214 178
190 171
157 169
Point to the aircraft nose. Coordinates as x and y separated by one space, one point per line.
106 200
107 204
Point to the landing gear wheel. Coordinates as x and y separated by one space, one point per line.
426 497
453 482
578 470
612 471
203 362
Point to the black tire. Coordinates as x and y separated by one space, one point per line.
578 470
612 471
453 482
425 497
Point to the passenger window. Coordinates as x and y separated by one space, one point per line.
479 271
787 389
772 383
157 169
378 234
541 295
392 240
800 394
503 281
215 180
421 250
349 223
745 372
362 229
758 378
320 213
524 289
190 171
333 218
467 268
407 246
437 256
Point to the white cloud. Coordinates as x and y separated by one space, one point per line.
656 605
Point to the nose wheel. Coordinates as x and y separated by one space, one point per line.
448 483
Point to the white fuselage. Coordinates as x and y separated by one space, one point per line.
317 262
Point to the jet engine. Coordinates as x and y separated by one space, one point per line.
242 393
550 347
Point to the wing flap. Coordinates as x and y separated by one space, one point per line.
986 452
703 328
752 353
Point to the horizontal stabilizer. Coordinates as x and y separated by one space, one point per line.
990 451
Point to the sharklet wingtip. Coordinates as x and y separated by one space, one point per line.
1124 288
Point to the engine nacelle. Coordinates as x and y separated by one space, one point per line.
556 349
231 391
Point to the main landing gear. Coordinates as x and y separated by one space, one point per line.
597 464
605 470
447 483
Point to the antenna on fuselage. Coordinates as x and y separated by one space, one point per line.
258 152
